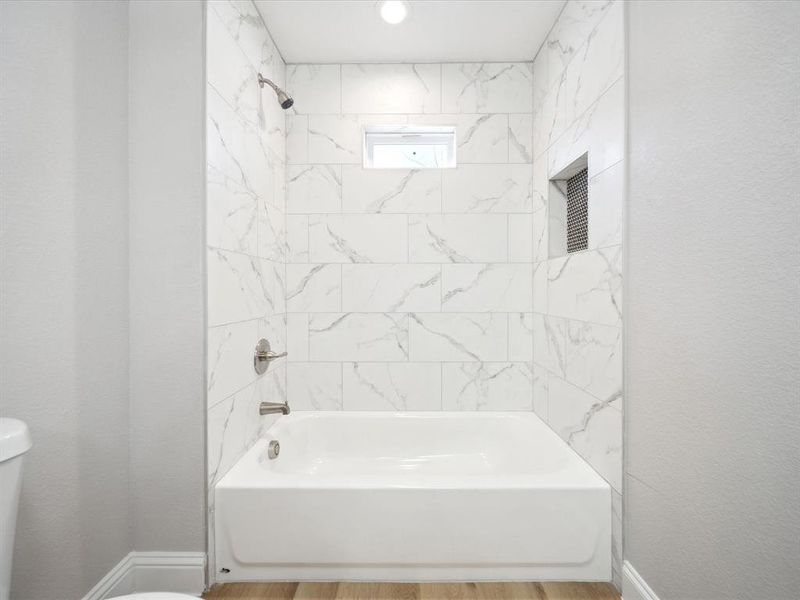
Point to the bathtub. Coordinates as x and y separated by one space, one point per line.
365 496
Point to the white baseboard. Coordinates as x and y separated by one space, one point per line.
633 586
178 572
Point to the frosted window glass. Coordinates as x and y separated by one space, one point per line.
409 147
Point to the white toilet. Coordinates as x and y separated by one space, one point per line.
15 441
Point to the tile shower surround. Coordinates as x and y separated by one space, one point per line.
410 290
579 109
246 224
415 290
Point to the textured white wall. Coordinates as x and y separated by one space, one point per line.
167 311
64 290
713 386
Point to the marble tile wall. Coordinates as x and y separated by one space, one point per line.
246 233
410 290
415 290
578 99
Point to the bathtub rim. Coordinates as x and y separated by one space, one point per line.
246 472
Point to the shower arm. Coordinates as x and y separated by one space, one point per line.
263 80
284 99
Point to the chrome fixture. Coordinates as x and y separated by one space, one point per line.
273 449
271 408
264 355
283 98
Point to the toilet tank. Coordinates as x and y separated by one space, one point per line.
15 441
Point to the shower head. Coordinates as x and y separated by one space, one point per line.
283 98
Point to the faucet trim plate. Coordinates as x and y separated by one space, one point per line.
263 355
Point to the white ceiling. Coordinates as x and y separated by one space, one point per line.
352 31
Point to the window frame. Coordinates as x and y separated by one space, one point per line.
376 135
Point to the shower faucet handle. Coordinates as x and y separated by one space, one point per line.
264 355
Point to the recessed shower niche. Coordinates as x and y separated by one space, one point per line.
568 202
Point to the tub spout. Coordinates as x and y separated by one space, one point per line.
269 408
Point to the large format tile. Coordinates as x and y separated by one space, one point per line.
391 190
549 343
243 23
313 189
333 139
606 198
458 337
458 238
573 28
598 64
599 131
297 337
540 287
593 360
540 184
520 238
313 288
314 386
540 391
391 288
230 359
236 178
229 71
297 239
316 89
358 238
240 287
592 427
487 87
358 336
520 138
392 386
487 188
587 286
233 425
487 386
520 337
541 235
391 88
486 288
541 80
296 139
480 138
272 229
549 118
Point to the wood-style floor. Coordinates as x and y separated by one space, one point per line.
413 591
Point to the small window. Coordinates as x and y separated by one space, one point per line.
409 147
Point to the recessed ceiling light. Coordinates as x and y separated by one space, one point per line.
393 11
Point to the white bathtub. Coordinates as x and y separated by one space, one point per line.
412 497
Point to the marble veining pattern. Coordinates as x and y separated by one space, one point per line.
358 336
579 109
487 88
487 386
392 386
417 290
393 274
246 233
400 88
